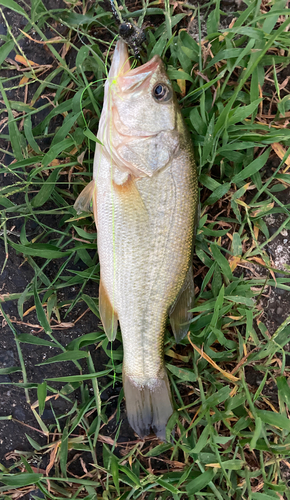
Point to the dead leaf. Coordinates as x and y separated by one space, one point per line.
233 391
259 260
54 163
88 474
62 325
4 296
56 39
209 360
266 400
223 36
240 202
26 62
234 261
106 439
23 80
280 152
256 232
284 83
182 85
52 457
174 464
231 25
36 404
264 208
174 355
80 158
65 49
32 308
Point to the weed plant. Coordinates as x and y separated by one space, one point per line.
232 440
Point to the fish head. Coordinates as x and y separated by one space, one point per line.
143 113
144 97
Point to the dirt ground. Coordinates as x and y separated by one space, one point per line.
18 273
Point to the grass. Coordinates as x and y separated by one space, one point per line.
232 439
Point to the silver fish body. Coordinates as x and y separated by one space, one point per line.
145 204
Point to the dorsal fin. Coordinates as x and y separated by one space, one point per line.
179 312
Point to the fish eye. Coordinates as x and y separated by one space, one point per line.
161 92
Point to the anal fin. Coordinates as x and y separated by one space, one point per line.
108 316
179 314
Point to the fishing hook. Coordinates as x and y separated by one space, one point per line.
129 32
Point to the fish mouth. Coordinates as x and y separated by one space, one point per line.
121 61
127 79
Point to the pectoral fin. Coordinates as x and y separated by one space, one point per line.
179 314
83 202
108 316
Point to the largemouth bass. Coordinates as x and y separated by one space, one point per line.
144 193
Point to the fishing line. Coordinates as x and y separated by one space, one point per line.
97 81
107 55
90 134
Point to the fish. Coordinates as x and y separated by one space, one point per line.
144 196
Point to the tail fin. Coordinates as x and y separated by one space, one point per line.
149 406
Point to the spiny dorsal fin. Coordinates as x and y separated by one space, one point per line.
179 314
108 316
